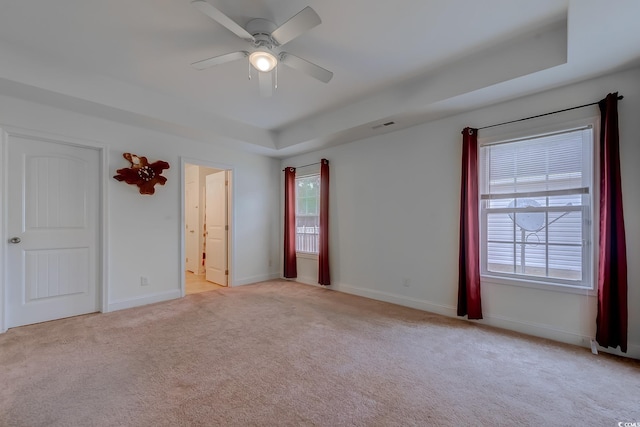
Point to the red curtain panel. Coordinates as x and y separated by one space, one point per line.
611 320
290 268
469 303
324 278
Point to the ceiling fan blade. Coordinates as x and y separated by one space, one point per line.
216 60
306 67
222 19
265 81
303 21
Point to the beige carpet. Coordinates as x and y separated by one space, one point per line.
284 354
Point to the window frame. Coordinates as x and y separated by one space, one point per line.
590 252
303 254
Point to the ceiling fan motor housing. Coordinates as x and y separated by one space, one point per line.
261 30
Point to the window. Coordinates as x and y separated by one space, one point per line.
535 208
307 213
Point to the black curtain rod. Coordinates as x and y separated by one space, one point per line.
545 114
303 166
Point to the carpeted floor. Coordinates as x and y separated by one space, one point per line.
284 354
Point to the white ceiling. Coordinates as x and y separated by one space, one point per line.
407 61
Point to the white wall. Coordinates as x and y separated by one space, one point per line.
144 231
394 216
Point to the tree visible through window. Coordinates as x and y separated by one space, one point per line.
535 197
307 213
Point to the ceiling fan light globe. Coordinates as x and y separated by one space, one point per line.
263 61
263 64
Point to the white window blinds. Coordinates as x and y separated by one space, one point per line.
554 164
535 207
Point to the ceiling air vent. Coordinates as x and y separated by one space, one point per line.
383 125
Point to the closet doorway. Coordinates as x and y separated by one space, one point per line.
207 218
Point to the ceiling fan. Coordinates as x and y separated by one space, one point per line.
266 38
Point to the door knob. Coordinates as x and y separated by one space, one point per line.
15 240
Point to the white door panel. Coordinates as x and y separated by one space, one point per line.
216 220
53 273
192 226
52 204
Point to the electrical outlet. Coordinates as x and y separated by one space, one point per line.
406 282
144 281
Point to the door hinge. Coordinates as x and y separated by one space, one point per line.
226 228
226 272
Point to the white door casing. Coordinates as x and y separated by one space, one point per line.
217 228
53 205
192 220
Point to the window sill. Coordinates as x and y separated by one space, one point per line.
488 279
306 255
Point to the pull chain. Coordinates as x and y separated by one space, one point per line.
248 62
276 77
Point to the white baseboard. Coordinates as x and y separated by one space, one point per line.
313 281
416 303
175 293
528 328
144 300
554 334
255 279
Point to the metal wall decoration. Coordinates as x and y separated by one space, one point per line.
142 174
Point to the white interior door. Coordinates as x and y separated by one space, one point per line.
216 235
192 220
53 223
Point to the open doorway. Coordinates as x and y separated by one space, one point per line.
207 207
